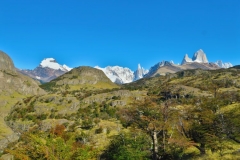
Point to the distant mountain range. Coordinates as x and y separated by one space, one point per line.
201 57
49 69
122 75
199 60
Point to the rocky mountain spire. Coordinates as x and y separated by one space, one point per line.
139 73
186 59
200 57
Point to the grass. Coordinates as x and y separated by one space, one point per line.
103 139
9 100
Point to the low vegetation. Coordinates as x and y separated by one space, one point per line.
192 114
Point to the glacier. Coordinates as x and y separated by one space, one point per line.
122 75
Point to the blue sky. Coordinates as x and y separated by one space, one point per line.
118 32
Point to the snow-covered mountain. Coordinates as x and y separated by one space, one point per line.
223 65
118 74
123 75
47 70
52 63
199 57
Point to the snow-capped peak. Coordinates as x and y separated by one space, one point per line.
223 65
123 75
118 74
52 63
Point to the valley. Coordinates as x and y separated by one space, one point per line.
191 113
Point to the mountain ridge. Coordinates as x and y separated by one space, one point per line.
199 60
121 75
198 56
47 70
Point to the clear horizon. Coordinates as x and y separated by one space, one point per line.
123 33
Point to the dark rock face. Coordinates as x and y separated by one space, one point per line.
11 81
6 62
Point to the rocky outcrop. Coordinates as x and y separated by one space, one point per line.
6 63
11 81
13 87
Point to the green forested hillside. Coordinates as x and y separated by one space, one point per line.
193 114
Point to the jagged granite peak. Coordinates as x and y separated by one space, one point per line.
52 63
186 59
200 57
6 62
139 66
223 65
140 72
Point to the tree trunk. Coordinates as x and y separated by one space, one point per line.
201 148
155 145
164 140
